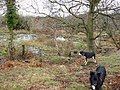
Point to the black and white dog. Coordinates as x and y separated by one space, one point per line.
88 55
97 78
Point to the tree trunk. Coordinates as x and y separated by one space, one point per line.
90 41
11 46
90 34
11 21
90 31
23 52
56 43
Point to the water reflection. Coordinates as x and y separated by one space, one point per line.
25 37
36 50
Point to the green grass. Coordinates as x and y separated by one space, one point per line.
112 62
54 76
22 77
77 86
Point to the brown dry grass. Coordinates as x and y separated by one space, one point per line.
17 64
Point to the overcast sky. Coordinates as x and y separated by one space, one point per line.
27 9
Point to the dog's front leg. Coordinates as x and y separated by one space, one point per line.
85 61
94 59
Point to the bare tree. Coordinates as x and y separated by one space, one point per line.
93 8
113 30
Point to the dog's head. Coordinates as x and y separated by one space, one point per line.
95 80
81 53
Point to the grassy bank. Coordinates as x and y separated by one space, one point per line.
59 77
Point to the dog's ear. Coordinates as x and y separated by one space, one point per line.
81 52
91 73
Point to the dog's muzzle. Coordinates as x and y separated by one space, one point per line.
93 87
79 54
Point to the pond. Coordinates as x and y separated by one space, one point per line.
25 37
22 37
